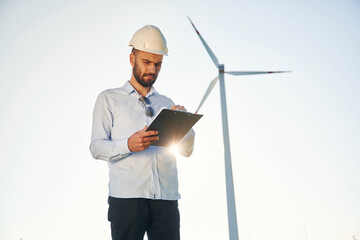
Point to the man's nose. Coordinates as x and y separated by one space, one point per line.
152 68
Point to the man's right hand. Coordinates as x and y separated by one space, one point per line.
141 140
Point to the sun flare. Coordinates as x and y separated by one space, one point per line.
174 149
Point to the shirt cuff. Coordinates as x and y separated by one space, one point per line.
189 134
122 146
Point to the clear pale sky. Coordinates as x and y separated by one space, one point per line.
294 137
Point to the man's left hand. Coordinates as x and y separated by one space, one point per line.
178 108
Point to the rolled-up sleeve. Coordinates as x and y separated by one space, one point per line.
102 146
186 144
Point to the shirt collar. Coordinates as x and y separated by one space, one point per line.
129 89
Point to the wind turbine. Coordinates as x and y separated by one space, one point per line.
230 196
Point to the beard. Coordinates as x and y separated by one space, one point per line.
140 77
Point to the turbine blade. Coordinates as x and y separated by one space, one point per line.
253 72
212 55
211 86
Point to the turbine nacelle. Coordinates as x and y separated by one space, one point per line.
221 68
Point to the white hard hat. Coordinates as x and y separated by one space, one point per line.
149 39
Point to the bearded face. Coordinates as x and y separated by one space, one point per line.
146 67
144 79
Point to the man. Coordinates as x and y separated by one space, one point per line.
143 186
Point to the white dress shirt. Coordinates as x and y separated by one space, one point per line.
152 173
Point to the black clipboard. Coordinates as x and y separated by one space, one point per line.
172 126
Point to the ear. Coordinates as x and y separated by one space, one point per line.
132 59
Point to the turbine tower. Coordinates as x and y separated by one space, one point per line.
230 196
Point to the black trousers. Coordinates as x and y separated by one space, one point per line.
131 217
